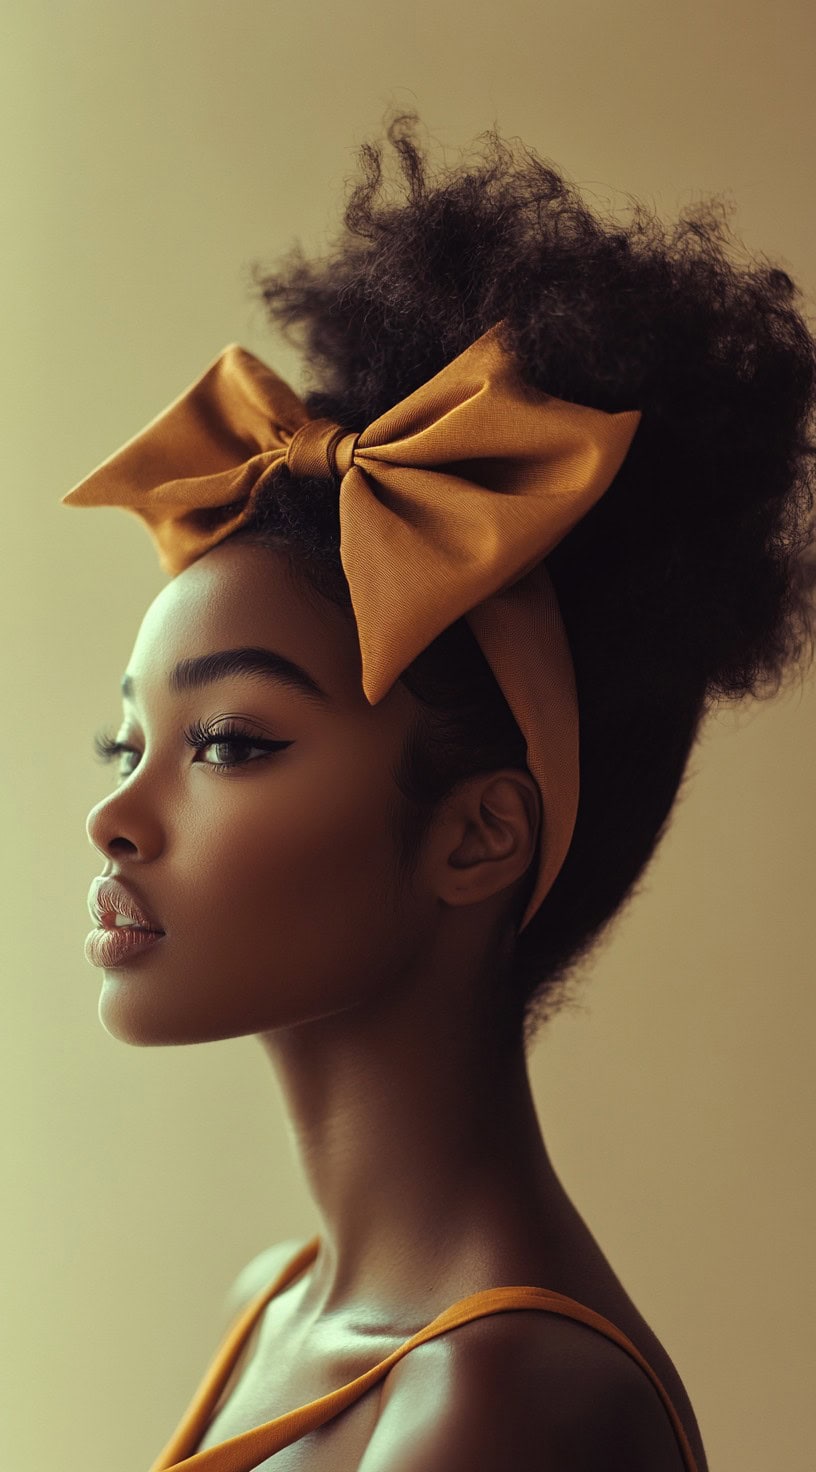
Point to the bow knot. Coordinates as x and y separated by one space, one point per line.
321 448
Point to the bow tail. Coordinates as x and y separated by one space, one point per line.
522 636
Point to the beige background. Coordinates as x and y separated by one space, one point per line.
150 152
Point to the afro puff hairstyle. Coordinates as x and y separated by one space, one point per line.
690 581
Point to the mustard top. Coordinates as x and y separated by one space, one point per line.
242 1453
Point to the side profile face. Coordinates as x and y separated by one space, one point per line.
276 880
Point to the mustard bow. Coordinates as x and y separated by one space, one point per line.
448 504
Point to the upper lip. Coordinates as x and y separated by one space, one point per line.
109 897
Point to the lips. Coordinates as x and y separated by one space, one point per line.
108 898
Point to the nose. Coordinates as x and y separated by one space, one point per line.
120 824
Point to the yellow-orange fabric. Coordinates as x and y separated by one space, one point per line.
241 1453
448 504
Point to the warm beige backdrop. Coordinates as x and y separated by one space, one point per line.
150 151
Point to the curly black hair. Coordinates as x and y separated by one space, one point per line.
688 583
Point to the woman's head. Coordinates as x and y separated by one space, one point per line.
281 884
686 583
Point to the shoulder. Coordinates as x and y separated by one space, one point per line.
524 1389
259 1273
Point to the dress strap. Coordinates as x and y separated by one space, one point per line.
244 1452
194 1422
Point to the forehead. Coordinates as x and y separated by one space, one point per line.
241 595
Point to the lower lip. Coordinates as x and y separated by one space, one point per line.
115 947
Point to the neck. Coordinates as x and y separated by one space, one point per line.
422 1150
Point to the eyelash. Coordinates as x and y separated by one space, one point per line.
199 737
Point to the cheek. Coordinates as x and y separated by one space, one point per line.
295 874
282 908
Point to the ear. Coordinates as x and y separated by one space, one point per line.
488 835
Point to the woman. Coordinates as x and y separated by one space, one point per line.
391 873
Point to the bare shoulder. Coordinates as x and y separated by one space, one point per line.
523 1389
259 1273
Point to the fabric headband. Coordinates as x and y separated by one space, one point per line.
449 502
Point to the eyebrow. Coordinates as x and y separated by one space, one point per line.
265 664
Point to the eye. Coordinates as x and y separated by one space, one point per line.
200 737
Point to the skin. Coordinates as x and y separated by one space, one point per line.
277 885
